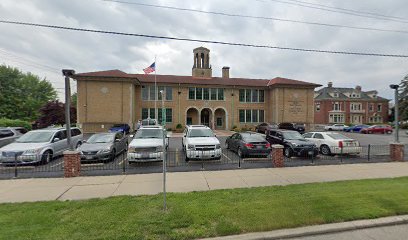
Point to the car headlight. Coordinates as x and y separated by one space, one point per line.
294 144
190 146
106 150
32 151
218 146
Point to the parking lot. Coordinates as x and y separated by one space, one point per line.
176 160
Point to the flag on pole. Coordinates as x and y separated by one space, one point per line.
150 69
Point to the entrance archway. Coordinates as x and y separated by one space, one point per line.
220 118
192 116
206 117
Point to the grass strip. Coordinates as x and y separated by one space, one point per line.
205 214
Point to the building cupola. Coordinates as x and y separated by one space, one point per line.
202 67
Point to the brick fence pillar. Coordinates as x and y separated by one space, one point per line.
397 152
277 156
72 164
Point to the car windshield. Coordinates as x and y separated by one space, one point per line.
337 136
292 135
101 138
118 125
201 133
253 138
149 133
36 137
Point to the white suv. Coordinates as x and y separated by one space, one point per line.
199 142
147 144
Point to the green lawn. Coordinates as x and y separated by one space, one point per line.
205 214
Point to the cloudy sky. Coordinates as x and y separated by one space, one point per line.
46 51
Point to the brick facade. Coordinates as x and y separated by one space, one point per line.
72 164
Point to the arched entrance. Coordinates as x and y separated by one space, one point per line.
192 116
206 117
220 118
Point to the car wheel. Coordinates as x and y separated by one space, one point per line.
187 159
288 152
369 132
389 132
330 129
325 150
46 157
240 154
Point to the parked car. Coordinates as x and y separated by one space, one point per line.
377 129
264 127
293 142
335 127
124 128
199 142
299 127
149 122
248 144
147 144
330 143
9 134
103 146
39 146
355 128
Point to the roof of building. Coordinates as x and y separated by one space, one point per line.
324 94
174 79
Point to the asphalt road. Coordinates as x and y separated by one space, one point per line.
176 160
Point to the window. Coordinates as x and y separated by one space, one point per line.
336 94
336 106
169 93
242 95
220 94
379 106
254 115
206 94
307 135
159 95
191 93
242 116
371 107
213 93
145 113
261 96
152 93
318 107
152 113
251 116
248 95
75 132
254 95
169 115
336 118
145 93
6 133
318 136
199 93
355 106
219 122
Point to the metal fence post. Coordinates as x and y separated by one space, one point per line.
368 152
15 165
239 162
341 155
124 162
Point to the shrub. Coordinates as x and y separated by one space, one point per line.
168 129
4 122
179 126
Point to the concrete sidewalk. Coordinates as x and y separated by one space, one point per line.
45 189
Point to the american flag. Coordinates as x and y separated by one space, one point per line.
150 69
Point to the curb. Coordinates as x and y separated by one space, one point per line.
319 229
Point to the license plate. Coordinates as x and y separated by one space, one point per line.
89 157
145 155
310 152
259 147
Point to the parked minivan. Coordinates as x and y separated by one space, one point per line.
39 146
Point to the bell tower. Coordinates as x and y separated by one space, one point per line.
202 67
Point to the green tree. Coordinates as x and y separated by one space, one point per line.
23 94
74 100
403 99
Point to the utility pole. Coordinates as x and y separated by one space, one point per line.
396 134
68 73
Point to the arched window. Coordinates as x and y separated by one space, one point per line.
196 60
208 61
202 60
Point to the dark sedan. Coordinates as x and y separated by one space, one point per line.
103 147
265 127
248 144
355 128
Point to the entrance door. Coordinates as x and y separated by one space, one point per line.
205 117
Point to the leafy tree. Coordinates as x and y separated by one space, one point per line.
403 99
74 100
23 94
53 113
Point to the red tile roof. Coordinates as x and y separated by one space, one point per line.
143 78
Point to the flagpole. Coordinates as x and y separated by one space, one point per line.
155 90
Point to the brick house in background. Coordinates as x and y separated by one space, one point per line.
109 97
349 106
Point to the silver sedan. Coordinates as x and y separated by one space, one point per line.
103 147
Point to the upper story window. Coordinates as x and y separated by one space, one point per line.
379 108
336 106
317 107
148 93
371 107
336 94
355 106
251 95
355 95
196 93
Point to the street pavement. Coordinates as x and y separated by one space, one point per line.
46 189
